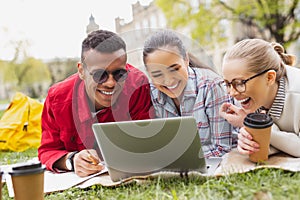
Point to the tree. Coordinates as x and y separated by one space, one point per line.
32 71
24 73
31 76
61 68
20 47
272 20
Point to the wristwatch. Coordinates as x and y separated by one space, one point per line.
70 161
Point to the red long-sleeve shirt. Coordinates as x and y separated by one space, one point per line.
67 119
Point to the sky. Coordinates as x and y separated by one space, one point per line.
56 28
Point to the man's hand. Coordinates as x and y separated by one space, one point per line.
87 162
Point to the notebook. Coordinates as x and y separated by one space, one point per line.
143 147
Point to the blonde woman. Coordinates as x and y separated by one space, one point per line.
258 74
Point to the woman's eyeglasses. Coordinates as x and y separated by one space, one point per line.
240 85
101 75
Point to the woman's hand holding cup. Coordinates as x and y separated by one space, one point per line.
246 145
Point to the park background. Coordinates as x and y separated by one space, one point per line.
210 26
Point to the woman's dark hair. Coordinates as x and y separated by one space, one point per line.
102 41
167 38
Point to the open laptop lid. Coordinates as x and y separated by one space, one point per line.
142 147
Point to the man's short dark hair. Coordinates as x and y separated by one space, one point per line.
102 41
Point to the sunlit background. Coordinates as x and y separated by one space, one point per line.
40 40
55 28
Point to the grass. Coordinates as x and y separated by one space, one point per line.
3 102
258 184
1 113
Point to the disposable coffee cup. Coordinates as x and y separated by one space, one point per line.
28 181
259 126
1 174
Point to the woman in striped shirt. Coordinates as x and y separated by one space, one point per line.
258 74
182 86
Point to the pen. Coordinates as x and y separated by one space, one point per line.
93 160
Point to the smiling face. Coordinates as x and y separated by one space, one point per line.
168 71
260 91
104 94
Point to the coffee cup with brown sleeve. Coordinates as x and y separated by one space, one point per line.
28 181
259 126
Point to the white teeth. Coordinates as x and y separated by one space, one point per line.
244 100
172 86
107 93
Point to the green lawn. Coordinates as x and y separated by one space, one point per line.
1 113
258 184
3 102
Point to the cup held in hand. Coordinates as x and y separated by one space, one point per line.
259 126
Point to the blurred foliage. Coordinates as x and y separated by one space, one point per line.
30 75
62 68
272 20
5 68
31 71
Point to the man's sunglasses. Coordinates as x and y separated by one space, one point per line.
101 75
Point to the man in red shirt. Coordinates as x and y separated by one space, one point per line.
105 89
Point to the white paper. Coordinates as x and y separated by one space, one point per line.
62 181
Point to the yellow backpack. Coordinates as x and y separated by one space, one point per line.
20 125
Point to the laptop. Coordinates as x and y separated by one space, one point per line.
143 147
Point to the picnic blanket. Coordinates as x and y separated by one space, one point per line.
235 162
232 162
